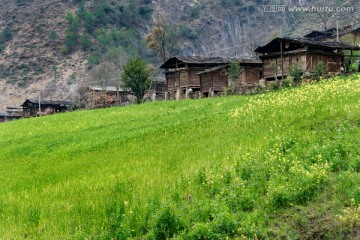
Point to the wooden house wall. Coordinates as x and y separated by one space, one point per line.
220 80
172 80
332 63
252 75
268 72
215 81
288 61
206 82
184 78
194 79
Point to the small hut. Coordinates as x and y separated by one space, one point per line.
33 108
213 81
181 74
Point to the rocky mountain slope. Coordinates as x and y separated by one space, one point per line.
32 62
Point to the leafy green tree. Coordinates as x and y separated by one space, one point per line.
234 71
72 34
7 34
136 76
53 36
100 15
89 22
295 73
85 42
319 70
81 12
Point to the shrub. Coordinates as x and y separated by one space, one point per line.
273 86
85 42
287 82
64 50
295 73
354 67
319 70
53 36
201 231
167 224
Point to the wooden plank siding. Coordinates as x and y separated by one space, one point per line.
213 81
306 61
299 59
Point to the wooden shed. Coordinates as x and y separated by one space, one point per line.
281 53
33 108
181 74
214 80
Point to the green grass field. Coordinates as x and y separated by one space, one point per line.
284 164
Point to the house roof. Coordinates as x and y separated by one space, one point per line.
46 102
320 34
253 62
274 46
197 60
108 89
247 60
212 69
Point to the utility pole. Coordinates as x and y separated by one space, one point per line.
337 29
40 103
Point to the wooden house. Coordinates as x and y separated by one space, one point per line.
281 53
214 80
33 108
97 97
181 74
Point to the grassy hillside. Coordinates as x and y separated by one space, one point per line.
282 164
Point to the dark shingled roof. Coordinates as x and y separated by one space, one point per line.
252 62
321 34
47 102
194 60
274 45
197 60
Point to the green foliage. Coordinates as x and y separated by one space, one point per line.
129 173
234 71
64 50
89 22
187 32
229 3
38 28
93 60
195 11
107 25
72 35
136 76
287 82
167 224
81 12
295 72
5 36
354 67
319 70
85 42
20 3
53 36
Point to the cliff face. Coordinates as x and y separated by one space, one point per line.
31 63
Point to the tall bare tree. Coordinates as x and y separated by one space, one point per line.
163 38
104 75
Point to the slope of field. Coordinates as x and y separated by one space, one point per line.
277 165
